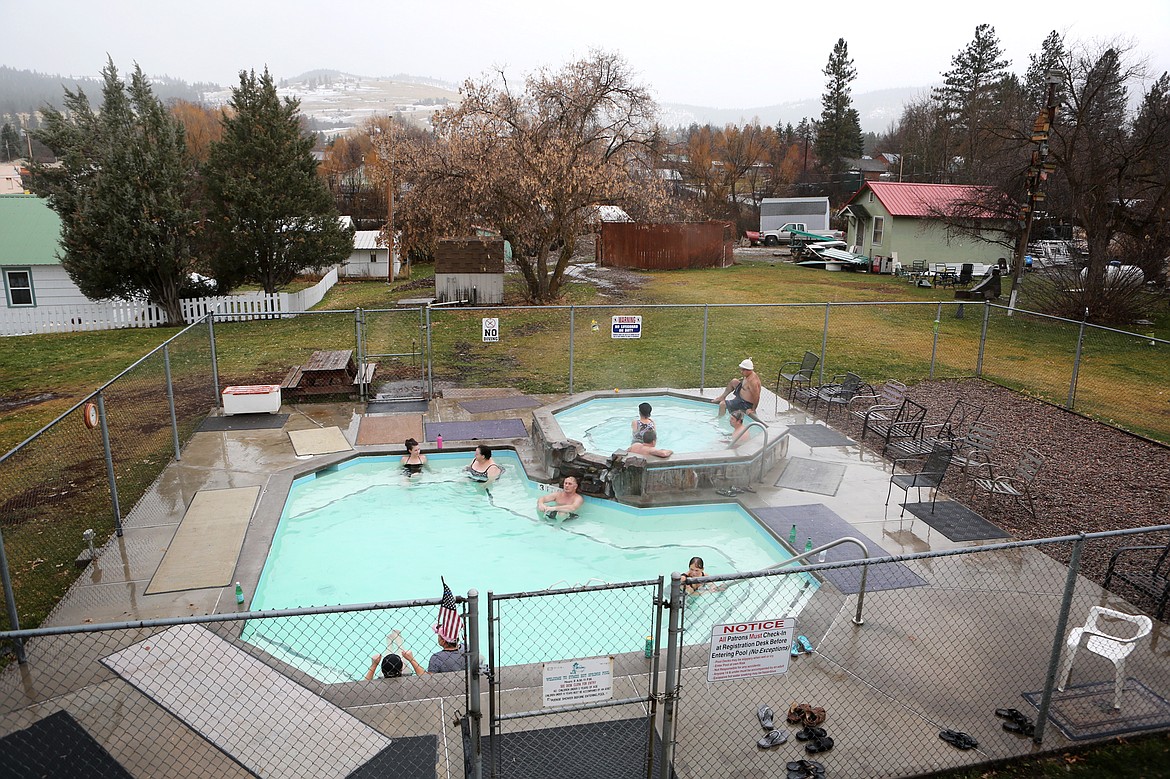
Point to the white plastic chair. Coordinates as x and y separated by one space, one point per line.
1113 648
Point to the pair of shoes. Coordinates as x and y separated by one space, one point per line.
803 714
809 733
805 769
958 738
774 738
801 645
728 492
1017 722
745 488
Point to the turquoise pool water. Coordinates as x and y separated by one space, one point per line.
365 532
683 425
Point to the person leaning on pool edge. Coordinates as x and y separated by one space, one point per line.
392 665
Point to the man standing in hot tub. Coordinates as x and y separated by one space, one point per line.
742 394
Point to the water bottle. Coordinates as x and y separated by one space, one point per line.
649 646
808 544
821 555
792 536
239 594
439 441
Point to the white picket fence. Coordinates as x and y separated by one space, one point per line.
115 314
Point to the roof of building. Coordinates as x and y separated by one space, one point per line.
867 165
368 239
921 200
30 231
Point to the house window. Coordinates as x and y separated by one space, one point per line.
879 229
373 256
18 286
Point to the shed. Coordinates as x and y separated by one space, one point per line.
470 270
369 258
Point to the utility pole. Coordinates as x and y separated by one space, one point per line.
383 142
1034 182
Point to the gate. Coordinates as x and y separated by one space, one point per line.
396 340
573 680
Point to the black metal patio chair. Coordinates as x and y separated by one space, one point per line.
1017 485
840 392
934 470
801 377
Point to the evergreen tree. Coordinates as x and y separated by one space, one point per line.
271 214
839 130
127 222
969 94
1049 58
10 146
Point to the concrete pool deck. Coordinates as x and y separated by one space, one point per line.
886 675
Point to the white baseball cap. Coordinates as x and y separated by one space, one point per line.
748 365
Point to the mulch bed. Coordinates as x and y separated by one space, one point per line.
1095 477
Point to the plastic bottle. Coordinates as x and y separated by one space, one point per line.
821 555
808 544
792 536
439 441
649 646
239 594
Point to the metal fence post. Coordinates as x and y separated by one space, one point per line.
670 693
493 680
474 709
10 602
101 404
359 323
1070 586
430 359
983 338
703 353
572 329
825 342
1072 385
934 346
214 362
171 400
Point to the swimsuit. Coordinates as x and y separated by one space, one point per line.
641 431
412 468
481 476
552 514
737 403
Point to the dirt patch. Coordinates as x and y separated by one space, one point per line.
13 402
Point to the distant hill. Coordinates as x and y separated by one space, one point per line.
26 91
878 109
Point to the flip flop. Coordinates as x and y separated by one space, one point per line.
958 738
801 644
823 744
810 733
774 739
1011 714
746 488
1020 728
727 493
765 715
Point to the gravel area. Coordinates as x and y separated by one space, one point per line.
1095 477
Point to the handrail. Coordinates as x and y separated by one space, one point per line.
857 620
764 448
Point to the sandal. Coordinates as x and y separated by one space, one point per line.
727 492
823 744
814 716
746 488
796 713
810 733
765 715
959 739
774 739
1025 728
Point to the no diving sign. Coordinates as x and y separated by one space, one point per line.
626 327
746 649
491 329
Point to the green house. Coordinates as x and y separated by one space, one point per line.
903 221
30 234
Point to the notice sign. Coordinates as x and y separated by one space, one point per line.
626 327
578 681
491 330
746 649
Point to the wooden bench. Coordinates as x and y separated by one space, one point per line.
365 374
1152 580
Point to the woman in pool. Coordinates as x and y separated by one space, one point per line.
694 568
482 467
414 460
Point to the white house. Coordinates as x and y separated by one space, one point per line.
30 235
369 258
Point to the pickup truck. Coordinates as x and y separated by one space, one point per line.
784 233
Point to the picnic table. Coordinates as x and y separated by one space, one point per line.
328 372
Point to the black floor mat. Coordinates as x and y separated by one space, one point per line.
406 758
596 750
396 406
819 435
243 422
57 746
956 521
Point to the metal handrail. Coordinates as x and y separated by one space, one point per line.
857 620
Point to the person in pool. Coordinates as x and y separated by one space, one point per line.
694 569
646 446
392 665
739 431
564 504
414 460
639 426
482 467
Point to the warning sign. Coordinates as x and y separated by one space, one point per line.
626 327
491 329
578 681
746 649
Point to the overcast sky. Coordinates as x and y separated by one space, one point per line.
725 55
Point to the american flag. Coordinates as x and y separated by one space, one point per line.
450 624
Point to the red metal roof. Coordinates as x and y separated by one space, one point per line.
920 200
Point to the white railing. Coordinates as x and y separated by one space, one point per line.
116 314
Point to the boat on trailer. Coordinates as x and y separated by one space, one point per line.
834 259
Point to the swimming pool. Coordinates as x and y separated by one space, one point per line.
683 424
364 532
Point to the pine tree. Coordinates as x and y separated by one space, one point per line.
969 93
839 130
271 214
1050 57
128 225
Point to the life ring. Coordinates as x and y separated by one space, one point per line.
89 414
